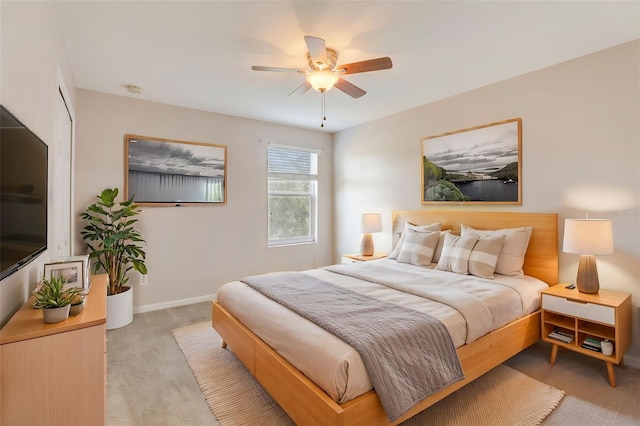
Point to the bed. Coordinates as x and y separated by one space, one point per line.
308 403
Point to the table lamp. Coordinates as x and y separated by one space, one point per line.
370 222
588 238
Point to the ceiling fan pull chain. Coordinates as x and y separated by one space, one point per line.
324 107
324 116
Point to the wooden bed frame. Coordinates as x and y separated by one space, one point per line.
306 403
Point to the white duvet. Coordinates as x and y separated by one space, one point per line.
335 366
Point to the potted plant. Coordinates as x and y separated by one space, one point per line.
114 249
77 303
54 299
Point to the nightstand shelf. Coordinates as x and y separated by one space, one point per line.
605 315
596 330
559 321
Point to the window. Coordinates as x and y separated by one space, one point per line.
292 189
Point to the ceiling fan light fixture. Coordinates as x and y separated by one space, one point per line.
322 80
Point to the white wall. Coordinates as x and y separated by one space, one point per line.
193 250
31 49
581 153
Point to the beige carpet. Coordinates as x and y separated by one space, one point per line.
501 397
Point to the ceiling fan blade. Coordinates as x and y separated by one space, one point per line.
366 66
317 49
301 89
275 69
350 89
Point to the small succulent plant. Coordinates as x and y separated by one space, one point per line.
52 293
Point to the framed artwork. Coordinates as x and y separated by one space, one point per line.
166 172
72 272
86 267
479 165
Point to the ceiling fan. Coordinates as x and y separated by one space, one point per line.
324 73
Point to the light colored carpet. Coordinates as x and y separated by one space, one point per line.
501 397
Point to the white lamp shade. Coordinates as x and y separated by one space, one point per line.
588 236
322 80
371 222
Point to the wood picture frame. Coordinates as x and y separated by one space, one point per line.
478 165
73 273
169 172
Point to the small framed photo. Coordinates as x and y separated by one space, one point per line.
73 272
87 267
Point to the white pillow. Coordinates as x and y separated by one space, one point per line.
431 227
513 249
418 247
484 256
455 253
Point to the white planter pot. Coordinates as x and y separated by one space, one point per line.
120 309
54 315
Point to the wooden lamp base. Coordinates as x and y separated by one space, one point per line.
587 279
366 246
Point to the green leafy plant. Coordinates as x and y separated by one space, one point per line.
52 293
112 239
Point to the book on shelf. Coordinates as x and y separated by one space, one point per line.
592 341
591 347
563 336
563 333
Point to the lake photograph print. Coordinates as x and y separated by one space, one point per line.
476 165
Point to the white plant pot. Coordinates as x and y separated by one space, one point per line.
54 315
120 309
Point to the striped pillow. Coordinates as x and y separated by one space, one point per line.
513 249
484 256
418 247
432 227
438 253
455 253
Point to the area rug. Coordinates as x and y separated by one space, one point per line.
503 396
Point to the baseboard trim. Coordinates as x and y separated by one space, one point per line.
173 303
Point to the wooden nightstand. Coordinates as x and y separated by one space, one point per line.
357 258
605 315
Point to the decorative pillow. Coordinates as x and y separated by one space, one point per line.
418 247
438 253
484 256
455 253
431 227
514 248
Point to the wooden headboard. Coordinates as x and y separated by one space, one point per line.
541 260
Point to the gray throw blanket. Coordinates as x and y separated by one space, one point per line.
474 310
408 354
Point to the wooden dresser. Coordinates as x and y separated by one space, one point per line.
55 374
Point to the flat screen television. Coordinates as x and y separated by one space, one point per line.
23 194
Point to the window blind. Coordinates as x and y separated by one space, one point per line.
292 161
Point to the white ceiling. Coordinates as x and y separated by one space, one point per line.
199 54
